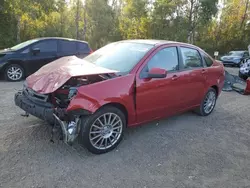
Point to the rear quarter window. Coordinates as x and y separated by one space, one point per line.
209 62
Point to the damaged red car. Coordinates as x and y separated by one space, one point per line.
122 84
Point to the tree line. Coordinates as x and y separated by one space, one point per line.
221 25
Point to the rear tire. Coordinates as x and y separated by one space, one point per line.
14 73
100 137
208 103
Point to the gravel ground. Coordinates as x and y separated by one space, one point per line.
182 151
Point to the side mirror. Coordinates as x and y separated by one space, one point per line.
35 51
157 73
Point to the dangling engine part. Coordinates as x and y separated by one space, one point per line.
70 130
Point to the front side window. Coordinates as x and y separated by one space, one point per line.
191 58
23 44
119 56
166 58
46 46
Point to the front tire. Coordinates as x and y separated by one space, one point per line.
208 103
14 72
103 131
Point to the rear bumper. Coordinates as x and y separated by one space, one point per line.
44 112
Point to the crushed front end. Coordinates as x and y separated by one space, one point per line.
52 107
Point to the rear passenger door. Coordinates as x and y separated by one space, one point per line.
192 64
67 48
83 49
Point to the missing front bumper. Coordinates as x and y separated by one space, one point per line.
44 112
53 116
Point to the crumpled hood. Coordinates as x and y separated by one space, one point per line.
53 75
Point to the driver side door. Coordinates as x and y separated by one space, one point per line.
160 97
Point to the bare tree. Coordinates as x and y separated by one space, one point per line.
245 14
85 21
77 18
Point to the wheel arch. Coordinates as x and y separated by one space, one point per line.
10 62
216 89
119 106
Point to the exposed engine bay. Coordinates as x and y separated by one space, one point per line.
70 123
62 97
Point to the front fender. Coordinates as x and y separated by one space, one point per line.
2 65
119 90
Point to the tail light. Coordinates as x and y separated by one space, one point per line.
91 51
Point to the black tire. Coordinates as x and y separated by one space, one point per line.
201 110
86 126
242 76
15 66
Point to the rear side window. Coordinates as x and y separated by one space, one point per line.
83 47
68 46
166 58
46 46
207 60
191 58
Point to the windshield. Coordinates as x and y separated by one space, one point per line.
24 44
235 53
119 56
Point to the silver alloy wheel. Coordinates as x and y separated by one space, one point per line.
209 102
105 131
14 73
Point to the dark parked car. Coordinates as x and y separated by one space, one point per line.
234 58
121 85
26 58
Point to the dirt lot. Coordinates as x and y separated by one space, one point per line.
183 151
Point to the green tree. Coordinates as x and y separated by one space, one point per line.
167 22
231 30
100 22
134 21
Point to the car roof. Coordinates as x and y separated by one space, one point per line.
156 42
60 38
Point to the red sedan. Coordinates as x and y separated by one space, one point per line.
123 84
